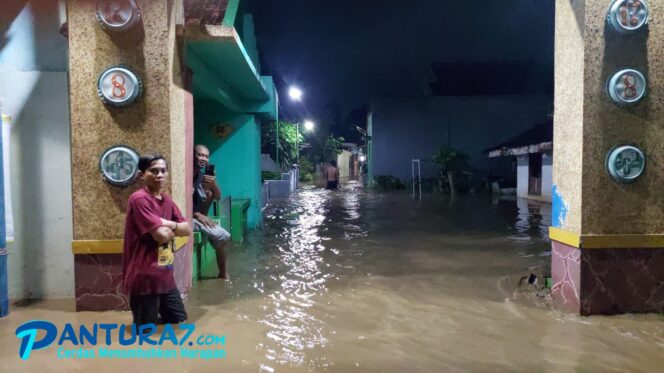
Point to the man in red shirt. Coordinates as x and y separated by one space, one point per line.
153 221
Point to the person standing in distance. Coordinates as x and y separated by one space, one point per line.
153 221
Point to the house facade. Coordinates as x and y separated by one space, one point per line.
533 150
401 130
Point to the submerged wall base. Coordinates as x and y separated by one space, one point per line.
607 281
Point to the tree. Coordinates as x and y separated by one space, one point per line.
288 140
332 147
324 151
452 162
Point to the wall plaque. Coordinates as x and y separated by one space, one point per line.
119 86
119 165
117 15
628 16
221 130
626 87
625 163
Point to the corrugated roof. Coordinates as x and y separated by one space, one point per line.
540 133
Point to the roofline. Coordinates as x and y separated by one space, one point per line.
522 150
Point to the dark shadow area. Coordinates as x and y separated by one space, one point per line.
62 305
128 39
10 10
579 8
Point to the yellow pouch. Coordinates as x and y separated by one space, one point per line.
165 255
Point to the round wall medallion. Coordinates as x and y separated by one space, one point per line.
119 165
628 16
119 86
625 163
626 87
117 15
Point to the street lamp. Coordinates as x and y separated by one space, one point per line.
309 126
295 93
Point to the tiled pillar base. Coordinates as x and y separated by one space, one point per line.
565 271
607 281
99 283
4 298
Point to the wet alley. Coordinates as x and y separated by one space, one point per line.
352 280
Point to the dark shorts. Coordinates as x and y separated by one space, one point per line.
332 184
147 308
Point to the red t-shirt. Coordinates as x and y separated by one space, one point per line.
140 273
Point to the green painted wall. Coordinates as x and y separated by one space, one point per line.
237 157
231 12
249 40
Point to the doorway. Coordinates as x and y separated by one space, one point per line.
535 174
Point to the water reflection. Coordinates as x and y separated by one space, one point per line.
378 281
532 221
533 217
323 240
300 243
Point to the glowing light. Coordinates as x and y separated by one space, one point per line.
309 125
295 93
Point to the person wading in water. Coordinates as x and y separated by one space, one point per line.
332 175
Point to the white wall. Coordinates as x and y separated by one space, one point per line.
343 161
547 175
522 176
33 83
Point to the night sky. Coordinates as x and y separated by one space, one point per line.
343 53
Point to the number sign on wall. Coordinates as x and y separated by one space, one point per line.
119 165
119 86
628 16
625 163
117 15
626 87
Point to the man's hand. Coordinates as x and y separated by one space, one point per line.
162 235
210 183
204 220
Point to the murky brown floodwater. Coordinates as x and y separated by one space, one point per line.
354 281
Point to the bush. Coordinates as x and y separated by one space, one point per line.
306 170
269 175
388 183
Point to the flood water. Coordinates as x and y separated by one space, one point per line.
358 281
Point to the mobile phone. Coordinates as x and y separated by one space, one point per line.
209 170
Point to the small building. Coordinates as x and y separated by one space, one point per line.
402 129
533 150
347 161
